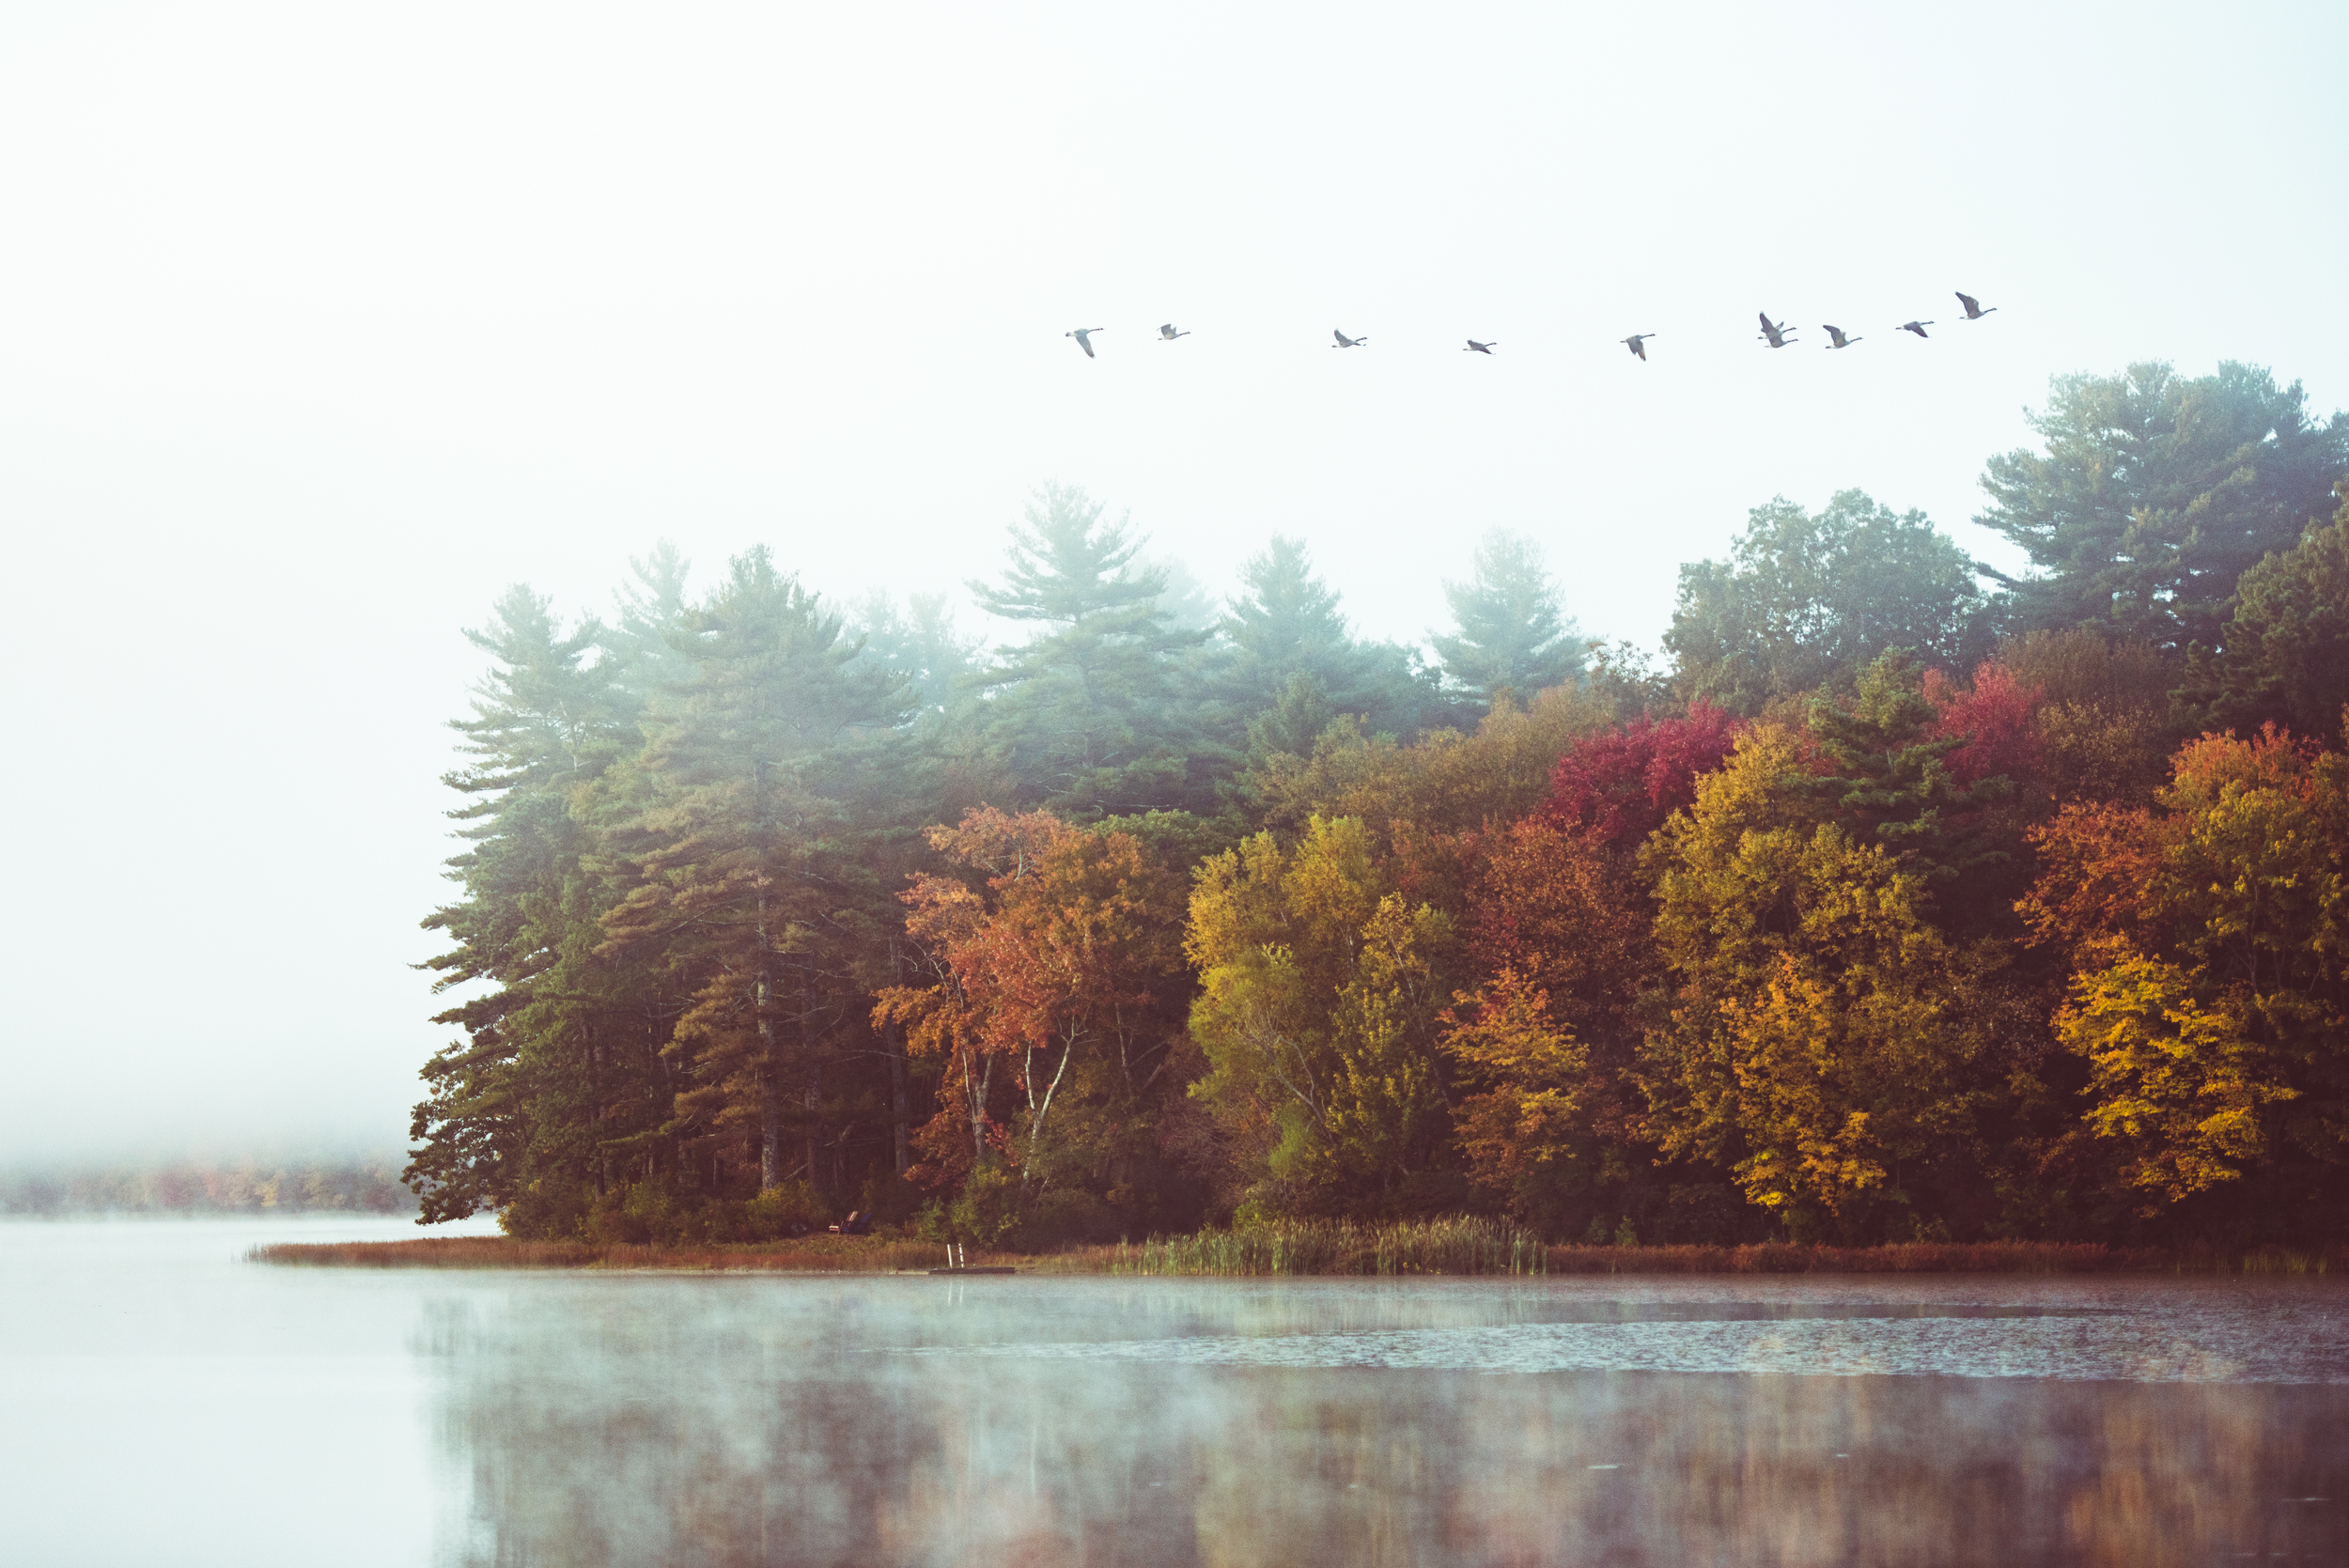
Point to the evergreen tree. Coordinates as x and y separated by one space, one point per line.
554 1061
921 642
1883 774
2155 494
1088 713
1807 601
652 606
2287 656
747 862
1512 632
1293 665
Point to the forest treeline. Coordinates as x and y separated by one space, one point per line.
1900 900
211 1187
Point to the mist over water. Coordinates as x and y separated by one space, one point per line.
169 1402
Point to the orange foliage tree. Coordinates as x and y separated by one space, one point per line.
1055 992
2209 940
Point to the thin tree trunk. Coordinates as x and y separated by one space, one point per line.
769 1088
814 1103
894 1036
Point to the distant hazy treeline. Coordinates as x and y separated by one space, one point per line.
354 1186
1905 903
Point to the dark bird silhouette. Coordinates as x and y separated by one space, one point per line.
1167 333
1637 343
1973 307
1837 334
1774 334
1345 342
1476 347
1917 326
1085 338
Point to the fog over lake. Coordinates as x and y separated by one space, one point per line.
170 1403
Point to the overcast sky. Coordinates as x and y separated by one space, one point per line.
321 324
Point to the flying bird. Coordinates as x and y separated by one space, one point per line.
1476 347
1917 326
1637 343
1085 338
1973 307
1840 341
1345 342
1167 333
1772 334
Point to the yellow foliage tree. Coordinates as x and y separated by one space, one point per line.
1316 1014
2179 1082
1821 1029
1529 1070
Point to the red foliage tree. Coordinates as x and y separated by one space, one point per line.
1992 717
1619 786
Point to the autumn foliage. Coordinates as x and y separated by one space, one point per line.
1871 923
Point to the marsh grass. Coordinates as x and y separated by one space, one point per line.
1460 1245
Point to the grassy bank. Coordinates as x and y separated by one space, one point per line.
1314 1248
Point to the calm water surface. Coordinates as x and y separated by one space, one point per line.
162 1403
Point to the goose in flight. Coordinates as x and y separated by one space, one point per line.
1476 347
1085 338
1345 342
1840 341
1917 326
1772 334
1167 333
1973 307
1637 343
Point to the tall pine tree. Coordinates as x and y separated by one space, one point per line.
1087 714
747 859
1512 632
559 1055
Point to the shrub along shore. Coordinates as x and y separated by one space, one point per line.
1307 1248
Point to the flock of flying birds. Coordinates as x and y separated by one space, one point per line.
1776 334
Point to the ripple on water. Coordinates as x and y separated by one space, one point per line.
2166 1348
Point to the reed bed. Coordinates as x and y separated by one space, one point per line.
1485 1247
1455 1246
810 1255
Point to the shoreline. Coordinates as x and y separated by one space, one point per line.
1199 1257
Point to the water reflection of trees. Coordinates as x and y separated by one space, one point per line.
620 1435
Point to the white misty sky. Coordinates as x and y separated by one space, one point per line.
319 325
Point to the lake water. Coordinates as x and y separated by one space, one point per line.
162 1403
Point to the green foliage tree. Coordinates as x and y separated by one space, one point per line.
2155 494
2287 644
739 838
558 1057
1319 990
1291 663
1088 713
1806 602
1879 769
1511 630
921 642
